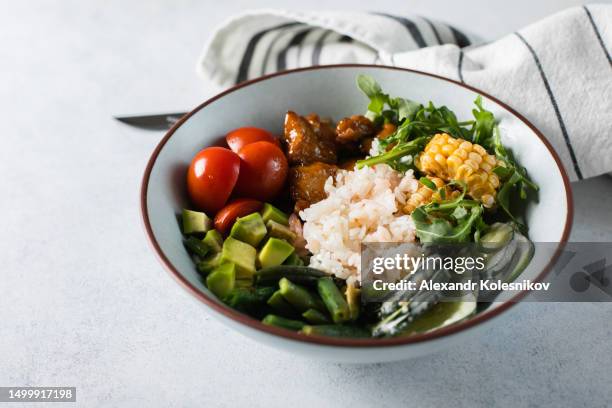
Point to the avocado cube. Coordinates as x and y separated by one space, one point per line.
294 260
221 281
209 263
278 230
270 212
274 252
195 222
213 241
250 229
242 255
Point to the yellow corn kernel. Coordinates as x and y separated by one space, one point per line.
450 158
425 195
447 149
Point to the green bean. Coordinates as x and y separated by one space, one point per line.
249 300
196 247
302 275
208 264
278 303
335 330
299 297
315 317
334 301
274 320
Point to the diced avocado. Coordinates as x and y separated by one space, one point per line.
270 212
241 254
195 222
213 241
274 252
221 281
278 230
196 247
209 263
250 229
294 260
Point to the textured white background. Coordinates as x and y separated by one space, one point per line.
83 301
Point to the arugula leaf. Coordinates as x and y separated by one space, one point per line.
482 129
428 183
459 213
503 196
441 231
405 107
399 108
513 176
448 221
395 156
368 85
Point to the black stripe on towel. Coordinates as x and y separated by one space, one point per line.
298 38
554 104
434 29
269 48
412 28
460 67
245 63
598 34
318 46
460 39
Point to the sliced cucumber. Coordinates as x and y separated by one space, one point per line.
498 236
498 263
524 253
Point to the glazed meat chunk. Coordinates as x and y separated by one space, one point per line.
354 129
353 133
307 183
306 143
323 127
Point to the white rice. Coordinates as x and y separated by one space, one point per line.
362 206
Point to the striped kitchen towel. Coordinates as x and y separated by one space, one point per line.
557 72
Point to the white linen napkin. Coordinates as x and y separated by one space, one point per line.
556 72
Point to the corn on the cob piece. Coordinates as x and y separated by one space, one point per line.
457 159
425 195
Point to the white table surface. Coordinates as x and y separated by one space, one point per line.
84 302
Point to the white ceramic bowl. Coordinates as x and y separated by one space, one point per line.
331 91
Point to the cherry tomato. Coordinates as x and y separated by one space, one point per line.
263 171
237 208
237 139
211 178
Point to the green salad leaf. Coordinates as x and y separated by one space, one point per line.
450 221
438 230
484 123
417 124
514 179
398 108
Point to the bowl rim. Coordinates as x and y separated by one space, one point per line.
253 323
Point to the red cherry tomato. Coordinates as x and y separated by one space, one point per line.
263 171
237 208
237 139
211 178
